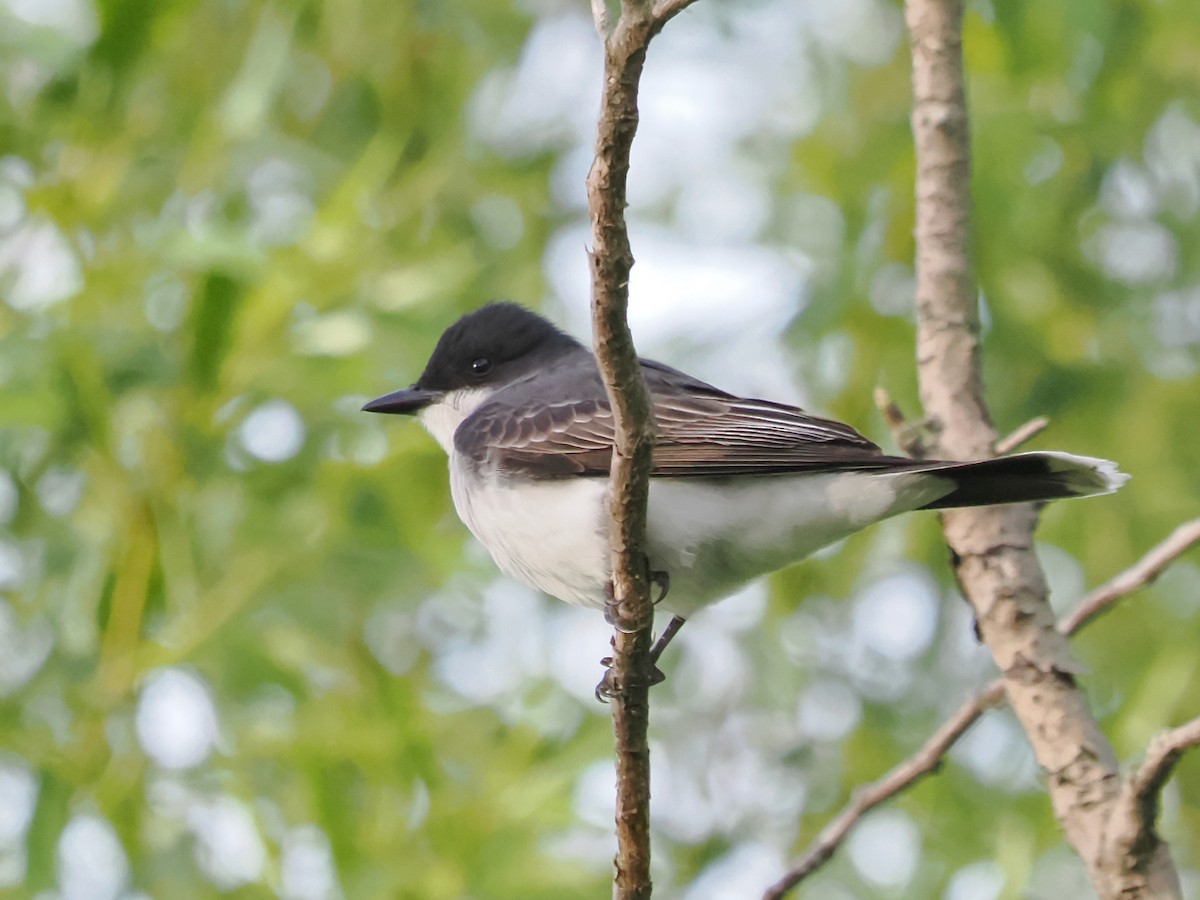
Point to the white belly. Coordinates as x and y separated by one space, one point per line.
710 536
550 535
714 537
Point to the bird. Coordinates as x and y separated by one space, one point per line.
739 487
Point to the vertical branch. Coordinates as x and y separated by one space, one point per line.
631 612
611 258
947 314
993 548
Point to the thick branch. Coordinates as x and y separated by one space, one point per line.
947 314
631 611
993 548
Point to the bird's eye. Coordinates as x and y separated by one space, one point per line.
481 366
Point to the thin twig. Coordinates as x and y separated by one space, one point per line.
893 416
1131 830
1164 752
907 435
924 762
630 611
1141 573
600 17
668 9
1025 433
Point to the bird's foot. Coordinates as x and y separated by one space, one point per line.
669 632
609 687
610 602
661 579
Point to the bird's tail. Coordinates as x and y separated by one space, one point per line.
1023 477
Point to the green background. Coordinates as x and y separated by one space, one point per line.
225 225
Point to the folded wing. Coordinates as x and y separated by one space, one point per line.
701 432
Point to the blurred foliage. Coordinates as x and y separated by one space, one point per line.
223 226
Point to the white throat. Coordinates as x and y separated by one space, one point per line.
442 419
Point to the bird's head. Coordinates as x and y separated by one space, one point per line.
484 351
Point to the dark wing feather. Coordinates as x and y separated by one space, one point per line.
701 432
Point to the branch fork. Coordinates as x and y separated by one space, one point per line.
1130 825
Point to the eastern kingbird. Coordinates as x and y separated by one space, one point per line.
739 487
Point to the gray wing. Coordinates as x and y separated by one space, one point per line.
701 432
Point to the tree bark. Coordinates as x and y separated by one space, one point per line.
992 548
631 611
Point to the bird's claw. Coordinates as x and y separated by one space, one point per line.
661 579
608 688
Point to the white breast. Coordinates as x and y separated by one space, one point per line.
442 419
550 535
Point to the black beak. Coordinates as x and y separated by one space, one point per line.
405 402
